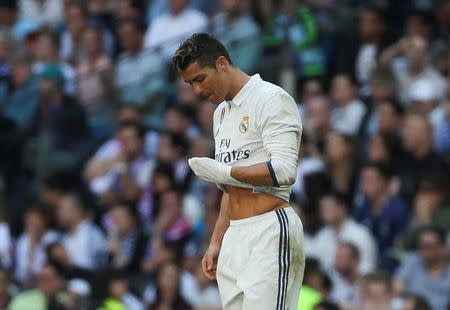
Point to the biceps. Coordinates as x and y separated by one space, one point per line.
283 151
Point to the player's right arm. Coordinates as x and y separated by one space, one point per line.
209 261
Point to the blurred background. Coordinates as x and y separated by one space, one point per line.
99 210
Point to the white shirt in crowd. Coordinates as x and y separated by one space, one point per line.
86 246
347 119
208 297
167 32
343 293
323 245
51 12
5 246
30 260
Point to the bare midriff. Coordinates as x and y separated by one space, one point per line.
243 203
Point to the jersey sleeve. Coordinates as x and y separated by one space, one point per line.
281 131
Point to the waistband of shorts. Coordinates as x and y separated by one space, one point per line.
261 217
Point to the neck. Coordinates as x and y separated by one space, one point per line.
422 152
337 226
75 226
379 200
415 70
238 81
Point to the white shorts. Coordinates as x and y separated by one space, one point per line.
261 262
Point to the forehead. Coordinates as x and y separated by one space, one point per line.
195 69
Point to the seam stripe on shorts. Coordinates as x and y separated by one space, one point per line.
279 262
282 275
283 212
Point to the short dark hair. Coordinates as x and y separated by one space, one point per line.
425 17
139 128
380 167
341 199
439 232
353 249
201 48
138 24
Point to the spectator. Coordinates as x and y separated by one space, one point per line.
383 213
22 103
348 113
376 291
345 275
126 242
63 140
412 67
46 12
179 120
168 289
131 173
200 292
420 157
30 255
339 227
167 31
48 294
430 206
82 239
95 82
359 57
290 39
140 73
130 9
339 157
317 120
385 148
119 294
237 30
77 19
427 271
46 52
58 256
390 116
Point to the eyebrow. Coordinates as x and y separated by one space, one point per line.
196 77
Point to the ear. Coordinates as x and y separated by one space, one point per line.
222 64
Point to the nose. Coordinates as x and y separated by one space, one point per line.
197 89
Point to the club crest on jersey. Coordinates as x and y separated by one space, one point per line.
243 126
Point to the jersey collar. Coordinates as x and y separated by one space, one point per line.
245 91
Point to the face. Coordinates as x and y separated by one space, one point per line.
430 248
20 73
417 51
330 212
130 39
388 120
336 148
415 133
176 122
199 147
92 43
118 288
46 88
342 90
34 224
122 219
67 213
415 27
378 150
311 89
76 21
124 10
166 151
319 114
369 25
232 6
372 183
185 93
209 83
49 281
378 296
344 262
45 48
131 142
169 278
177 6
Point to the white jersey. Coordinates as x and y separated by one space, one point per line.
261 124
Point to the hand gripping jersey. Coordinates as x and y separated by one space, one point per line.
261 124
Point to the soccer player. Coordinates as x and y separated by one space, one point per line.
256 250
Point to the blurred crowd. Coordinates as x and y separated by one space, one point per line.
98 207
